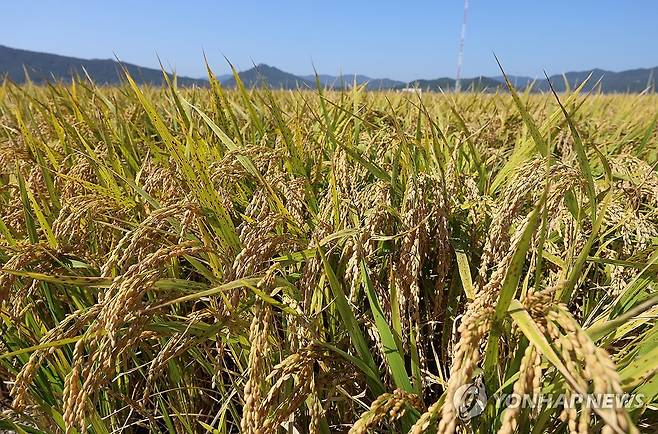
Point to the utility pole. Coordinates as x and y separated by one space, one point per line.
460 58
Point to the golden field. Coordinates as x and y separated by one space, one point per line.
213 260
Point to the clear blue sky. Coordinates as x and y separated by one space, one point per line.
401 40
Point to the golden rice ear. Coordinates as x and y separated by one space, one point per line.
388 406
528 383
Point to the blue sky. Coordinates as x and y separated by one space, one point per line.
401 40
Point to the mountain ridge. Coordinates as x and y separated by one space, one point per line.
348 80
43 67
270 75
46 67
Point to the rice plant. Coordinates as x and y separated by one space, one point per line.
256 261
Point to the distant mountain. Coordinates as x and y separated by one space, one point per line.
630 81
448 84
326 79
347 81
518 81
44 67
271 76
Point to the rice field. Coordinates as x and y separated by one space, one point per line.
254 261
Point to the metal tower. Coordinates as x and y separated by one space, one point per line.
460 58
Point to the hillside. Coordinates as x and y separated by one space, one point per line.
273 77
518 81
448 84
630 81
44 67
347 81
